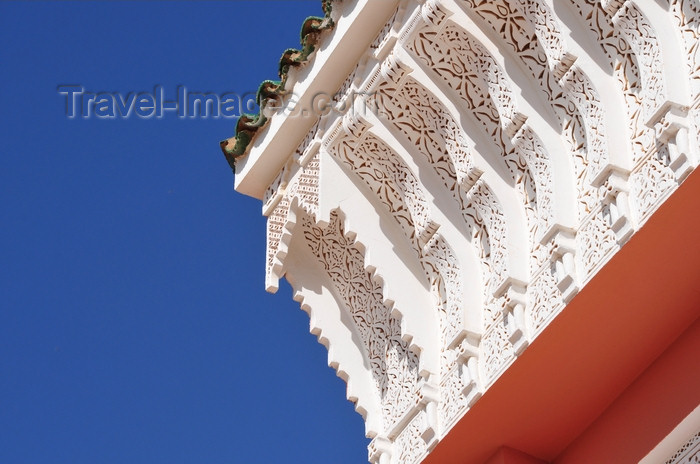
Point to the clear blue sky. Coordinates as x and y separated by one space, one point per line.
134 326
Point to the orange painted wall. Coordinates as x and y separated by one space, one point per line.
647 411
559 401
506 455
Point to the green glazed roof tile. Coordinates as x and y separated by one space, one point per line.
269 90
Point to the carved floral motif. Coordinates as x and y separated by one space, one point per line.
596 239
393 184
417 115
687 15
453 400
410 446
651 182
468 69
529 28
688 453
393 366
625 64
497 351
562 258
546 300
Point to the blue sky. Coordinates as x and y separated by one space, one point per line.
134 325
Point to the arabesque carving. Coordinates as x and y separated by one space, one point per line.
469 198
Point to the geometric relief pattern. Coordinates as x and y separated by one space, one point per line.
394 367
488 212
639 86
421 119
393 183
468 69
498 351
546 300
635 28
452 401
687 19
652 181
530 30
390 180
595 239
303 187
410 445
275 227
428 169
689 453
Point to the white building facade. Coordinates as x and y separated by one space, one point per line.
453 174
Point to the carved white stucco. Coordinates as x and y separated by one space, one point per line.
515 147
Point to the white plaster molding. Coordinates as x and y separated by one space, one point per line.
433 240
332 62
681 446
330 323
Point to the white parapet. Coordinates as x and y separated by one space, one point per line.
479 162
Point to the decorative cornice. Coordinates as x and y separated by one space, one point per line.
453 225
248 125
